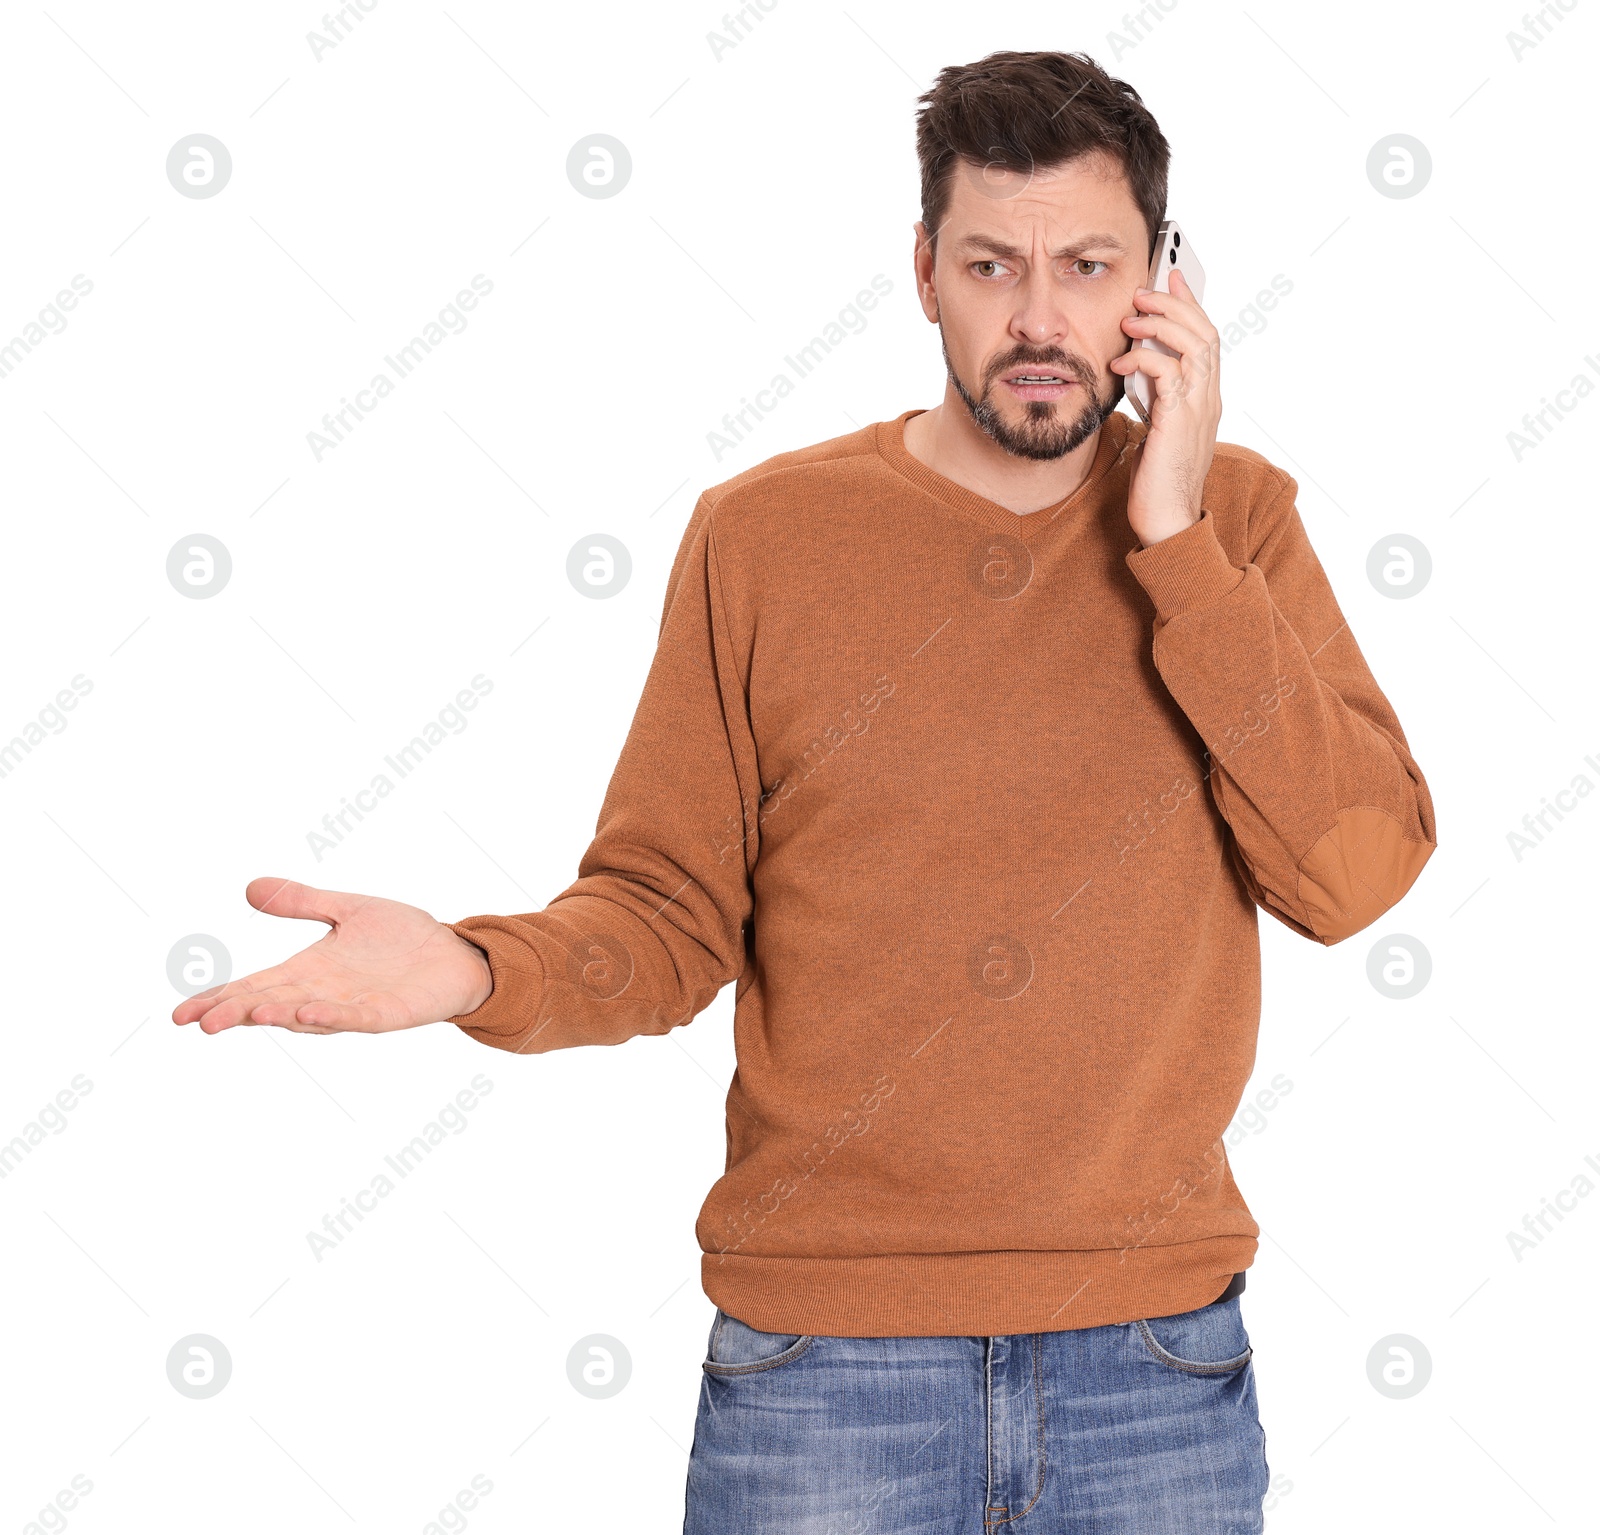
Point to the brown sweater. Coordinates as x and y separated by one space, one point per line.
978 809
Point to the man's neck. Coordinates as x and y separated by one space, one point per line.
947 440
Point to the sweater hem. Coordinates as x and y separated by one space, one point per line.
987 1294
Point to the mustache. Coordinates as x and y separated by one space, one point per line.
1052 357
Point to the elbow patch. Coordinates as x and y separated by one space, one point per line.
1357 870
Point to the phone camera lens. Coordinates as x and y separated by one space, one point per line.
1177 239
1172 256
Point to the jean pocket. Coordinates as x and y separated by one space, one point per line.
1208 1341
736 1348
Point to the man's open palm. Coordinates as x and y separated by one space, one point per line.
384 965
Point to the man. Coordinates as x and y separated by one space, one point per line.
971 745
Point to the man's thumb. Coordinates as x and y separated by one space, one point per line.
289 898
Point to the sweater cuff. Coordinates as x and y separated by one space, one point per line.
517 972
1185 570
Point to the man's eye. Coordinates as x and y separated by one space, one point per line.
1083 261
986 268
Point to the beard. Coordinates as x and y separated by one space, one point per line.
1044 432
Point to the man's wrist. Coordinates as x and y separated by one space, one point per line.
1169 529
483 988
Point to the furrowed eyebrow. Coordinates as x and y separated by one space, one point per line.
1089 242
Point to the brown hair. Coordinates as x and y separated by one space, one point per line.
1026 110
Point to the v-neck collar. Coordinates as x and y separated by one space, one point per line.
889 440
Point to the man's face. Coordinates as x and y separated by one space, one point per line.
1032 275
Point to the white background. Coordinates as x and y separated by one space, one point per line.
768 188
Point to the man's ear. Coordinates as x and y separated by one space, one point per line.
922 264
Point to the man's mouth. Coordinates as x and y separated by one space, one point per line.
1037 383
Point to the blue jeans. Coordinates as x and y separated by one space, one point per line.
1137 1428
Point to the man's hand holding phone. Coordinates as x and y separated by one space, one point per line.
1170 470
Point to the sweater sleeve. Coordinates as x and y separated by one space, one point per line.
654 925
1330 816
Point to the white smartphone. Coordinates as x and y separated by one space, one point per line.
1172 250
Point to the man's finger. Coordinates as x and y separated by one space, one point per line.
1147 360
289 898
1182 304
1169 331
202 1002
236 1005
288 1006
